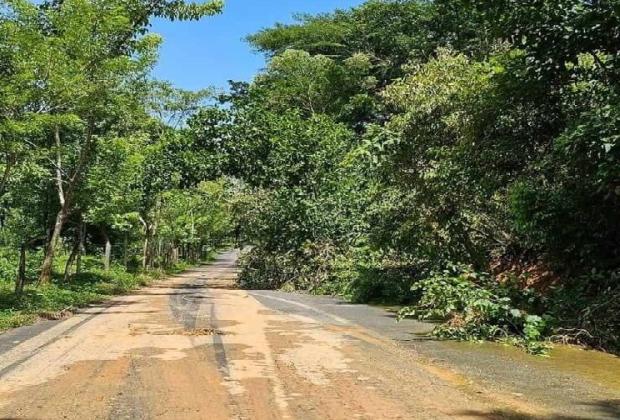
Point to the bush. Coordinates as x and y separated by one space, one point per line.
571 210
587 309
312 268
60 298
357 274
473 306
9 261
7 266
377 279
264 270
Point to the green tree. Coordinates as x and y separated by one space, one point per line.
90 58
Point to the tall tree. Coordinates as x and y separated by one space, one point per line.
89 64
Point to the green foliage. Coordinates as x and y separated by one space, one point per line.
587 307
379 146
318 84
474 306
390 32
59 299
195 216
577 215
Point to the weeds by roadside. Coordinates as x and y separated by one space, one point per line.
474 306
60 299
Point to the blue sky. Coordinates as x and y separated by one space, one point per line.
207 53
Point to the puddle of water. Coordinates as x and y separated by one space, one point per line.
599 367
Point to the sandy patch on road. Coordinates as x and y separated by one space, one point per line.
110 335
318 351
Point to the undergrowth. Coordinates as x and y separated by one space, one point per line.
60 298
474 306
466 305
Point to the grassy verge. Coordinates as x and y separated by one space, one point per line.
60 299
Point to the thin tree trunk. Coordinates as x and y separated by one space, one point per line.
21 271
152 245
64 196
152 255
46 268
107 253
125 250
81 249
146 247
145 251
72 257
75 250
159 252
50 250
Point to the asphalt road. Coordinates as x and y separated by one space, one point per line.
572 383
195 347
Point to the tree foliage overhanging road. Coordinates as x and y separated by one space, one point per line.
460 157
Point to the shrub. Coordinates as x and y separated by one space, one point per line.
60 298
473 306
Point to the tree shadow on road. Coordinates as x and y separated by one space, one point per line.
602 409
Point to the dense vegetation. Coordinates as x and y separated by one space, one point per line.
94 187
460 157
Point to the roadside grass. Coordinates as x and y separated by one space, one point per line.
59 299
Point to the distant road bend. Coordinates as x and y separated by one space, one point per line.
195 347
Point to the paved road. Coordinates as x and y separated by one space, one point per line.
194 347
572 383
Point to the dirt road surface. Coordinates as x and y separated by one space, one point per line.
194 347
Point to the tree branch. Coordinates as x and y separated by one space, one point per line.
59 181
7 173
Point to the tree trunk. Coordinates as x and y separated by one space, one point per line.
78 265
75 251
21 271
145 251
167 255
82 248
125 251
72 257
159 253
50 249
64 196
107 253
